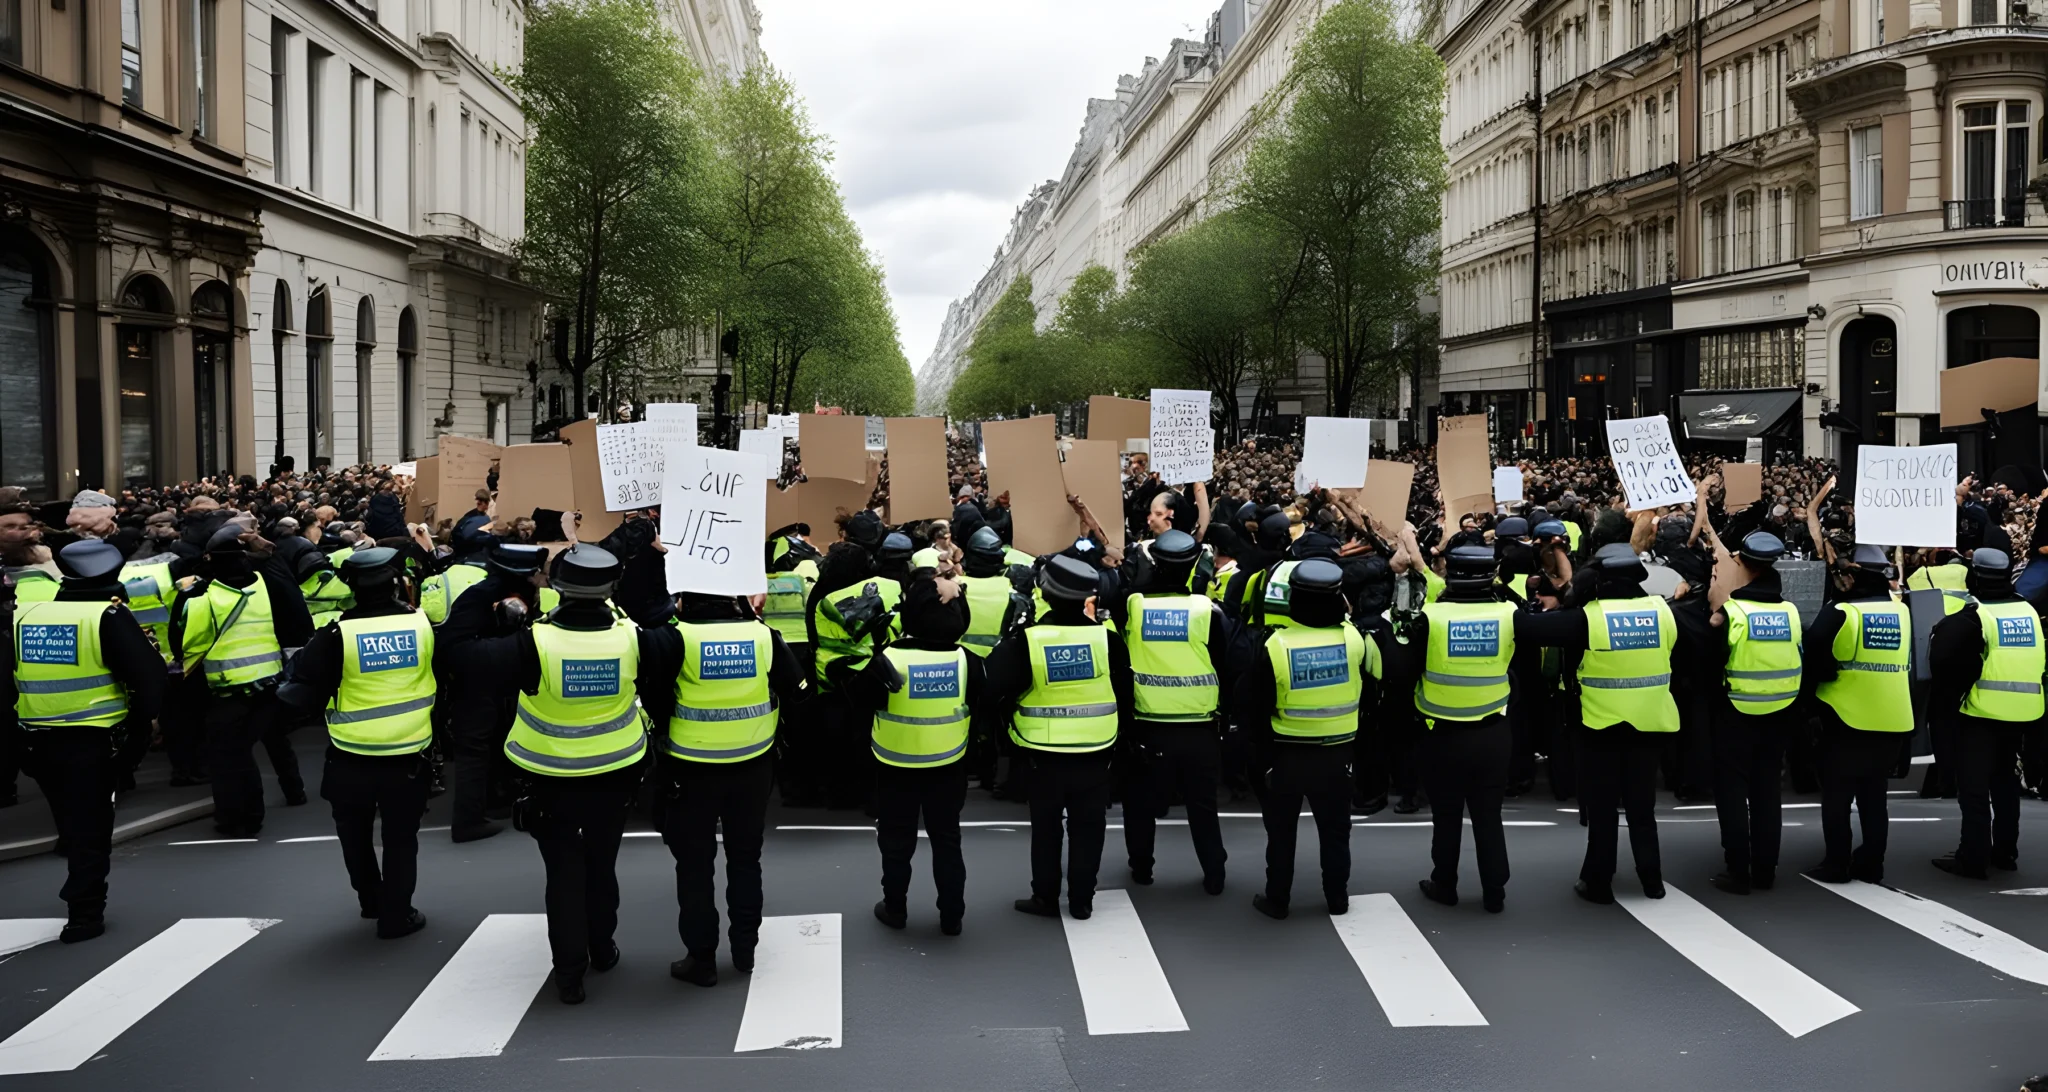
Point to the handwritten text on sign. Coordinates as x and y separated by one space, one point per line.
714 515
1906 496
1647 463
1183 445
629 465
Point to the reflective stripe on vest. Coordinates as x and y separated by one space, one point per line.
1071 705
724 711
925 723
1168 639
1465 671
1872 691
233 630
1318 679
385 702
1276 598
585 718
59 671
2008 688
1764 642
1625 674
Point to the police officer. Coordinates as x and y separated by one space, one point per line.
1948 573
1988 664
1454 658
327 595
1628 641
851 608
1858 662
579 740
1754 715
477 724
1183 661
1065 684
918 691
231 629
439 592
994 609
892 561
80 675
728 676
372 669
1305 685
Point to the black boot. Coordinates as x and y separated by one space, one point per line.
1434 893
85 923
1269 907
893 917
413 923
694 970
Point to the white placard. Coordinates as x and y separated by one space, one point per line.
1906 496
405 470
629 462
1646 460
1334 451
877 434
1507 484
714 517
673 422
1183 445
766 443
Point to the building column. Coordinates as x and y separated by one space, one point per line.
177 408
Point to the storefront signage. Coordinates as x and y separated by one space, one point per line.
2008 273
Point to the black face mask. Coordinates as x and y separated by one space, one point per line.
1316 610
232 568
1517 558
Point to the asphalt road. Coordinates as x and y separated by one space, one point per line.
244 965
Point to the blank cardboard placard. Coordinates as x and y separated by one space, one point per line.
1742 485
1334 452
1119 420
834 446
465 466
1906 496
1385 495
1024 461
534 476
1481 503
580 437
425 491
820 501
2000 384
917 469
1464 466
784 507
1093 471
714 520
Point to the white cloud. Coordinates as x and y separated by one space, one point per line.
944 114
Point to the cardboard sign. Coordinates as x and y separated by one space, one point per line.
1477 503
1093 471
784 506
1507 484
917 469
1183 445
876 434
465 467
1464 465
1385 496
714 519
1646 460
1906 496
2001 384
1804 584
1334 453
1024 461
1742 485
580 437
821 501
1119 420
834 446
672 422
425 491
405 470
763 442
533 477
629 460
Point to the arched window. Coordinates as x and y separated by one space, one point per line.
280 345
408 396
28 377
366 344
212 369
146 316
319 408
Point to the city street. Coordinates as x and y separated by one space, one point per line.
244 965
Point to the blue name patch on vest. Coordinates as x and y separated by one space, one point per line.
726 660
1069 663
1475 639
1308 668
49 645
2015 633
934 681
590 678
1165 625
1881 631
1770 625
1633 629
387 651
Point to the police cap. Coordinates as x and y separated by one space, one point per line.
864 529
226 540
1512 527
1176 547
88 559
1619 559
1470 563
1762 547
896 547
1067 579
1550 528
986 543
585 572
517 558
1316 575
1984 561
368 566
1871 557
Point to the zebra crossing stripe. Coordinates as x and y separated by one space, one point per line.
794 996
1123 988
95 1014
1754 973
1414 987
475 1003
1952 929
21 934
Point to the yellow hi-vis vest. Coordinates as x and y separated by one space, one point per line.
1071 705
1172 678
1873 690
2009 688
1276 597
326 596
724 711
1465 668
59 674
925 723
385 704
988 604
1763 655
439 592
1952 580
1319 677
834 643
1625 674
783 609
229 635
585 719
1219 584
151 591
33 585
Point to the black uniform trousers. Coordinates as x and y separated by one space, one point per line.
1073 787
1320 774
701 801
182 723
1749 752
579 823
284 762
364 790
1169 756
1854 769
1617 772
1465 768
936 794
1986 754
477 727
76 769
234 722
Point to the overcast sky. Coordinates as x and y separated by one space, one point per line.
944 113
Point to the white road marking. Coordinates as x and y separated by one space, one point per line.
2025 891
1123 988
21 934
1774 987
77 1028
1410 980
310 838
215 842
1952 929
793 996
475 1003
1711 807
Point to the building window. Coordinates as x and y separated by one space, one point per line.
212 371
28 378
131 52
280 346
1992 167
1983 12
319 343
408 353
280 101
1866 172
204 47
357 133
10 31
1745 230
136 343
1712 120
1713 247
1869 19
316 159
366 346
1750 359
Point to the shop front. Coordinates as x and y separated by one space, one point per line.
1611 356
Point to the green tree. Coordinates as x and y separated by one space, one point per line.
1002 359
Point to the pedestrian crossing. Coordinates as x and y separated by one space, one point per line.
476 1003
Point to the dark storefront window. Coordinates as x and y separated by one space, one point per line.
1749 359
26 377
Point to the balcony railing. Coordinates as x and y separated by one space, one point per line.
1984 212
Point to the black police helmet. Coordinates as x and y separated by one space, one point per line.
376 564
89 560
1471 564
1316 575
585 572
1761 547
1066 579
226 540
864 529
1619 560
1511 527
1551 528
1984 561
985 543
307 563
1176 548
896 547
518 559
1870 557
